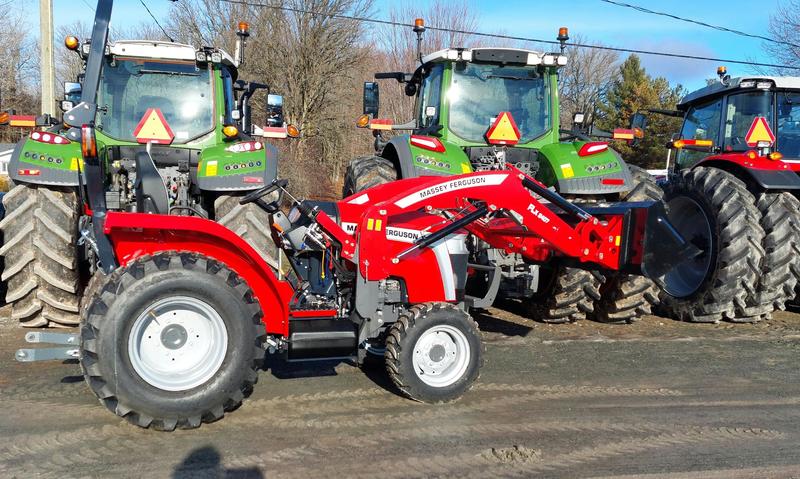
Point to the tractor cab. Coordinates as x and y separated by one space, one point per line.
478 109
758 114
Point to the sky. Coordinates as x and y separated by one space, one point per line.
592 19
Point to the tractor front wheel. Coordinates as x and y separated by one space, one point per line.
565 295
626 297
713 210
180 347
365 172
434 352
250 222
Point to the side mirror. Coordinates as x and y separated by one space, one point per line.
274 110
72 92
638 125
638 120
372 98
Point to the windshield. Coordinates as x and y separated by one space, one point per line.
789 124
182 91
742 110
479 92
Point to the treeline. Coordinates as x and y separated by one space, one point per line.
319 63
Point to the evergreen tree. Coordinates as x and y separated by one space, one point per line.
633 91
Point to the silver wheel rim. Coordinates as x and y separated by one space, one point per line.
441 356
177 343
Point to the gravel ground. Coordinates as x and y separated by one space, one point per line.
657 398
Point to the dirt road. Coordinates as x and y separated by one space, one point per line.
658 399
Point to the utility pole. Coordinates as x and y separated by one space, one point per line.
47 61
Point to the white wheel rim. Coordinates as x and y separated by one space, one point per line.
441 356
178 343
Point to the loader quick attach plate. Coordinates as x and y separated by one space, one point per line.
661 248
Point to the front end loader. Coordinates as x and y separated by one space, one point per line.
479 109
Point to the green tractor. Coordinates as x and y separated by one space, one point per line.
480 109
174 130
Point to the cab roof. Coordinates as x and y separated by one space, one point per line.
160 50
496 55
718 88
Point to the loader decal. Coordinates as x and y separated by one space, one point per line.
452 185
403 235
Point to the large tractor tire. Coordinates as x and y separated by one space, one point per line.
780 274
365 172
181 347
626 297
41 258
250 222
434 352
713 210
565 295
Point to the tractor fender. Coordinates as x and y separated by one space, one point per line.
219 169
137 234
771 178
29 155
398 152
566 170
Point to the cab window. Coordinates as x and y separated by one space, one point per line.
702 122
742 109
429 103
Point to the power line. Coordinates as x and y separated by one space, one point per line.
156 20
516 38
702 24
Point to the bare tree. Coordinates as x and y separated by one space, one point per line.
585 79
307 55
397 45
19 66
784 25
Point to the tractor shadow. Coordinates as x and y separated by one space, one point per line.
206 462
490 321
373 368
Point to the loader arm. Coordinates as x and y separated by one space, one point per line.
508 210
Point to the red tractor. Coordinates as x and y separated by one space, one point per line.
731 191
177 319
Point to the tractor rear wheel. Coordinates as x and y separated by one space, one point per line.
40 230
181 347
713 210
365 172
434 352
626 297
250 222
780 218
565 295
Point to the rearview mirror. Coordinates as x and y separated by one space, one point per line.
371 98
72 92
274 110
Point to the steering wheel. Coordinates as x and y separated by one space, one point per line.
256 196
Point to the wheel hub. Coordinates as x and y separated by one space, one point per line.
441 356
174 336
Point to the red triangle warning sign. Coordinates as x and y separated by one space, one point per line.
503 131
153 128
759 132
